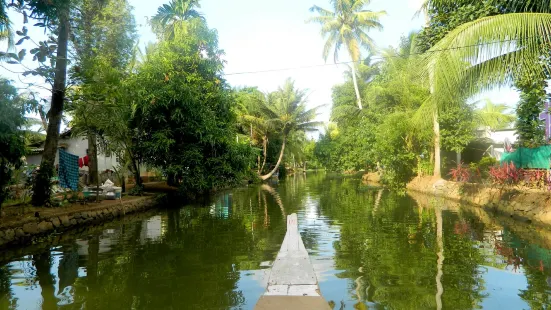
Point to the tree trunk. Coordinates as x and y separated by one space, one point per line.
356 89
264 151
137 176
93 159
436 127
41 188
269 175
458 158
95 155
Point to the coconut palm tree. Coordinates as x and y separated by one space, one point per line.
286 111
5 28
250 103
171 17
488 52
494 115
347 25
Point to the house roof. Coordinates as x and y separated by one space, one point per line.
65 134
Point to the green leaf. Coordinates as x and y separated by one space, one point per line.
22 54
20 41
12 62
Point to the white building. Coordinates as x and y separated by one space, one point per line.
497 139
76 146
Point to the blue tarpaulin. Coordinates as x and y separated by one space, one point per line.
68 170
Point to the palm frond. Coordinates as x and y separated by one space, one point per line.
344 112
329 43
370 19
321 11
516 39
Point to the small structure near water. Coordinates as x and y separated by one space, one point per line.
292 284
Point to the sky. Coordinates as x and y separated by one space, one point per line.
267 35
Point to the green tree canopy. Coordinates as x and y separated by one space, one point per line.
185 111
12 138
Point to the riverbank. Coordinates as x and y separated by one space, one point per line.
525 204
31 224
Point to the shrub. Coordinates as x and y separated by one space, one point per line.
461 173
506 174
481 171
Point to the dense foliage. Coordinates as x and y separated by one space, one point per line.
183 107
12 139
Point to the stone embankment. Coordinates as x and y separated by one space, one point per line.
30 228
526 204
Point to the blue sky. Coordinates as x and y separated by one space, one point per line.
262 35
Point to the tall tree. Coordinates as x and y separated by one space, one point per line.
184 110
174 17
348 24
56 13
286 110
104 40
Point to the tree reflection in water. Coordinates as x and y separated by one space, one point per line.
371 249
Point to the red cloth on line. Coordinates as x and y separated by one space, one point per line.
80 162
85 159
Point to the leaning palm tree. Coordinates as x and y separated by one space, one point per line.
170 18
286 111
348 25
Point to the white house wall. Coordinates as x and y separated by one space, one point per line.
78 145
499 136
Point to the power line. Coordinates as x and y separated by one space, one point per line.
372 58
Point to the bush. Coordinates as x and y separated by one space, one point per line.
461 173
506 174
481 171
137 190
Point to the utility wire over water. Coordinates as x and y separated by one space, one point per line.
369 248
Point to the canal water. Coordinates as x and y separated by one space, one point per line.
371 249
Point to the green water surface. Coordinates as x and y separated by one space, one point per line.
371 249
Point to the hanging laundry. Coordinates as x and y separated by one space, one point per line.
68 170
